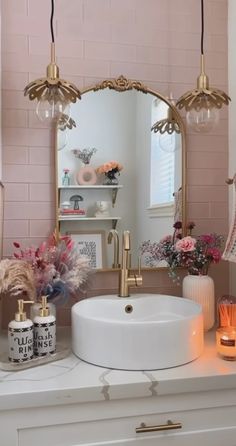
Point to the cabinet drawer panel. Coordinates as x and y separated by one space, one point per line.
211 422
217 437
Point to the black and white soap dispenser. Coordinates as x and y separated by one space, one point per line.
44 331
20 335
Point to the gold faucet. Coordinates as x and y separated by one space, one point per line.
113 234
126 279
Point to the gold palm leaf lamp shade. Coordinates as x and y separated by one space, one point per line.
53 94
203 103
167 129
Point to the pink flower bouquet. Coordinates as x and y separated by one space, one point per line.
194 253
55 268
109 166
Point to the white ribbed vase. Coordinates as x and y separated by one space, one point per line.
201 289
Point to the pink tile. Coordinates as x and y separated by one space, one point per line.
123 4
70 9
218 43
131 34
76 30
145 72
39 45
198 210
94 13
38 228
207 177
41 156
8 248
62 8
217 76
219 210
16 192
16 100
191 58
15 118
202 193
25 63
15 155
42 192
18 6
29 211
144 54
102 3
14 173
219 226
207 160
87 67
24 137
14 80
206 142
25 25
16 229
14 44
109 51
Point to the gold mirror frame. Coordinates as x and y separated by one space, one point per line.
122 84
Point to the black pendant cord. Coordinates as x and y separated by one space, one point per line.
51 21
202 26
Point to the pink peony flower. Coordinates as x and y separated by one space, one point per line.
185 244
214 253
207 238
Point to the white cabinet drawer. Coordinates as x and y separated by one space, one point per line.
211 426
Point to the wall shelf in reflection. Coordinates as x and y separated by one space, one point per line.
113 188
76 218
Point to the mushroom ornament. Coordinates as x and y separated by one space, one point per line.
76 199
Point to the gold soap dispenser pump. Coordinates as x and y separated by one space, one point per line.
20 335
44 330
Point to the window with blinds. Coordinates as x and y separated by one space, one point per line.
162 167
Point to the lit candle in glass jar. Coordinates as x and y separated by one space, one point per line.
226 342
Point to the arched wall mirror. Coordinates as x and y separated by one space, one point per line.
115 117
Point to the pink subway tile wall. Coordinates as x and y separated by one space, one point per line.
156 41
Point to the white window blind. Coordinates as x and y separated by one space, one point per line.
162 162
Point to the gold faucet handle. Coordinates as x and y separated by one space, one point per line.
129 260
138 277
126 240
139 265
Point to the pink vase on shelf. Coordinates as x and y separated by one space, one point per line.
86 175
200 288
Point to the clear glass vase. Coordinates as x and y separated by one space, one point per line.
111 178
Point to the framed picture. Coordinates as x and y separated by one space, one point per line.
92 245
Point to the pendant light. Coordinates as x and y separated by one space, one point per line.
202 104
53 94
64 123
167 129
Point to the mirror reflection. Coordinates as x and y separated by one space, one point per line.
115 173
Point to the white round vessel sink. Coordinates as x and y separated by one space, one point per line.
141 332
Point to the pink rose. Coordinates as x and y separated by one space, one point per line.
186 244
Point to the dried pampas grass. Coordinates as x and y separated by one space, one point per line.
16 278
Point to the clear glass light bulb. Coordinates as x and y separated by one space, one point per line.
62 139
51 105
168 142
204 119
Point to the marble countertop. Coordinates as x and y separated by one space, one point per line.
71 380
